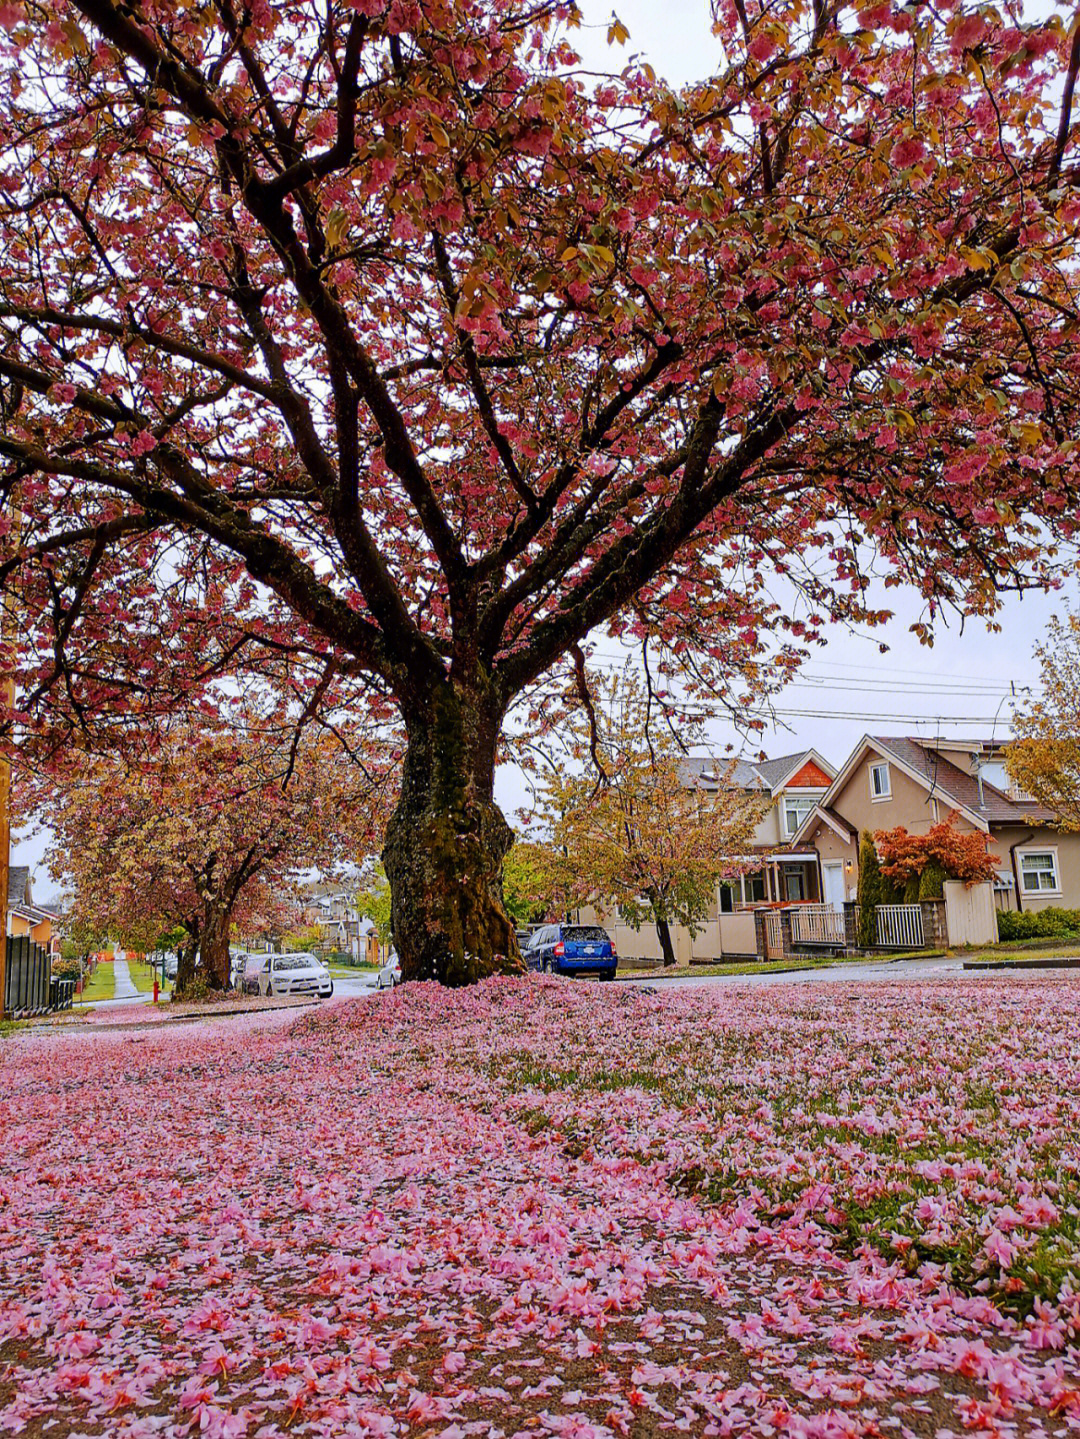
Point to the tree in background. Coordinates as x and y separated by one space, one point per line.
378 336
629 824
373 902
532 886
202 832
1044 761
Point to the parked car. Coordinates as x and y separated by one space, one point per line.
237 965
170 964
295 974
254 964
573 949
390 974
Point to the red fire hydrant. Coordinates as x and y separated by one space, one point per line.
155 987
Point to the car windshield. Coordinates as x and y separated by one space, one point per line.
588 933
296 961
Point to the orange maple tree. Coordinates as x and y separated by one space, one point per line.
962 855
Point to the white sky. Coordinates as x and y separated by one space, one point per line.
960 685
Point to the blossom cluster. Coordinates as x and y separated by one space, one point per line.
543 1208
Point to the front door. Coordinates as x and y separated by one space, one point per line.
832 878
793 883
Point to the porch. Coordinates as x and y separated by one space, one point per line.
783 878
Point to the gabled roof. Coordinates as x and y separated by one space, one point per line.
922 762
947 779
705 772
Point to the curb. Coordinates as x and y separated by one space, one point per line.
1022 963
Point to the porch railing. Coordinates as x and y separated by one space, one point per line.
817 924
900 926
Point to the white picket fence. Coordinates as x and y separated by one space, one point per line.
900 926
817 924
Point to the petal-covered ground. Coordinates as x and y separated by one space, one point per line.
552 1209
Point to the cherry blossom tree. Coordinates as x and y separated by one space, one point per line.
211 830
380 336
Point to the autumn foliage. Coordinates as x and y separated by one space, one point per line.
1044 762
632 825
377 336
961 855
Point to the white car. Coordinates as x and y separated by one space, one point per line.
390 974
295 974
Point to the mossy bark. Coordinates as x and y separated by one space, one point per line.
214 948
445 846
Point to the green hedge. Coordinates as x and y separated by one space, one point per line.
1038 924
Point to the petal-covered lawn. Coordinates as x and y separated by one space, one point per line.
549 1208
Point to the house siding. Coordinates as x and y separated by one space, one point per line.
1035 838
909 804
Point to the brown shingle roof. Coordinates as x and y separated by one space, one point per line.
952 783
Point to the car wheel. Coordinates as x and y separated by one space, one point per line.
606 975
545 965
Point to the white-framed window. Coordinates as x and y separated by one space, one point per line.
880 784
1039 872
796 809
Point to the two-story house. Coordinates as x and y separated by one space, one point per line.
889 781
787 872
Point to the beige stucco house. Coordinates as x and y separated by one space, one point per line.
780 870
889 781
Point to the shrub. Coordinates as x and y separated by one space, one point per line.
870 891
67 967
1050 923
932 880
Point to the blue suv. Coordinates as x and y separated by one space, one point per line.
572 949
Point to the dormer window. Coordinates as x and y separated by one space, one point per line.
880 783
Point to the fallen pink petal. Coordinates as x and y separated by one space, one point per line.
537 1209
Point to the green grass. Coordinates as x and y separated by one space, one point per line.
770 966
102 985
142 977
343 971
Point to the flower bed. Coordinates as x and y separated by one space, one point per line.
545 1208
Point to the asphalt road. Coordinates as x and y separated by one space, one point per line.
898 972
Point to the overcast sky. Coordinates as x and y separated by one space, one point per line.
962 685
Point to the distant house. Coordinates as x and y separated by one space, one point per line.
780 868
24 917
889 781
795 783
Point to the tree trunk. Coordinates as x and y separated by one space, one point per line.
663 929
214 947
445 846
185 964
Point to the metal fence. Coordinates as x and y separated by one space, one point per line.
817 924
900 926
27 988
